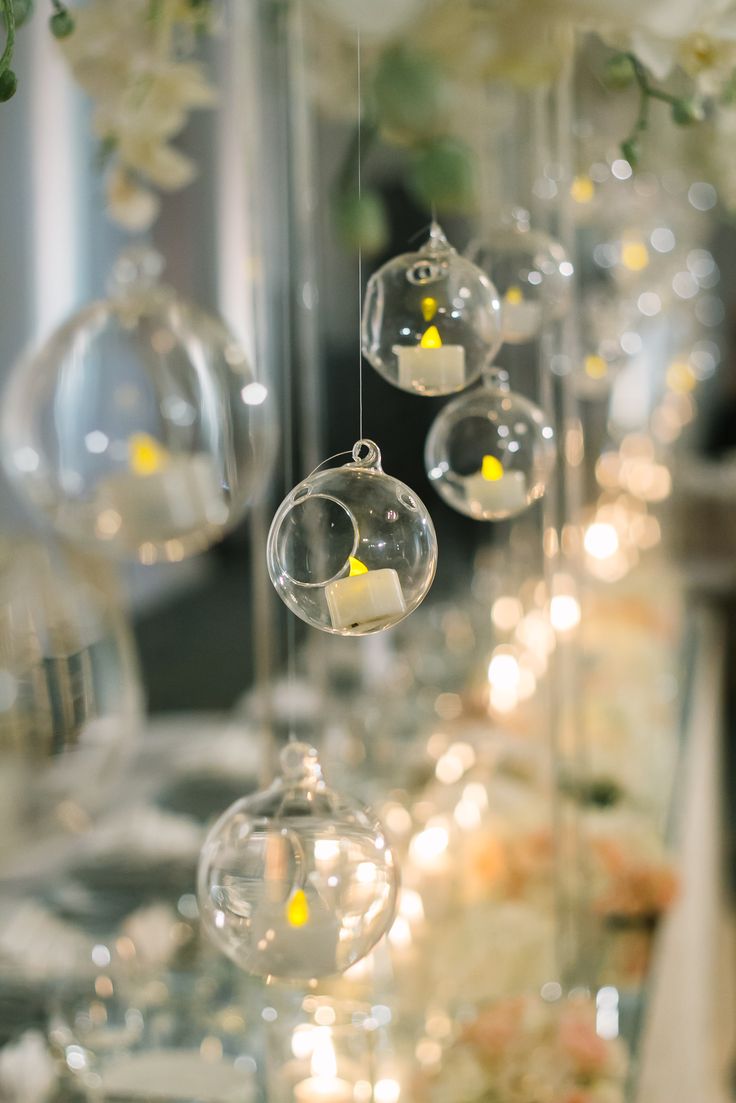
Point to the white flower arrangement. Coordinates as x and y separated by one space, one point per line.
134 61
28 1072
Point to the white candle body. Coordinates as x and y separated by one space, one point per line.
502 496
185 494
323 1089
175 1074
520 321
426 369
364 599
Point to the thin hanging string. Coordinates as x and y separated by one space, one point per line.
288 485
360 252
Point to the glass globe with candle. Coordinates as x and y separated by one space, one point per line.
489 453
297 881
532 273
138 428
352 550
431 319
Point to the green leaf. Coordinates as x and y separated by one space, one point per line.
408 92
361 221
687 111
619 71
442 175
8 85
23 10
631 151
61 24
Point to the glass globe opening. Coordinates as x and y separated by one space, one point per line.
352 550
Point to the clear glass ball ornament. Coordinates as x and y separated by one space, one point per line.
297 881
431 319
139 428
489 453
69 699
532 273
352 550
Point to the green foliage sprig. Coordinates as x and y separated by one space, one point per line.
405 105
8 79
14 13
625 69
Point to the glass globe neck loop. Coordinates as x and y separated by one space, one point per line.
138 268
437 241
495 378
300 765
366 455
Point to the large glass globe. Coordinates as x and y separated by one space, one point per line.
431 319
69 699
489 452
139 428
352 550
297 881
532 273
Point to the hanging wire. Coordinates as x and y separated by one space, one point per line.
360 252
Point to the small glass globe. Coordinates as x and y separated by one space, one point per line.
138 429
297 881
532 273
489 452
352 550
69 698
431 319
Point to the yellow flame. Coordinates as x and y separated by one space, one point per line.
431 339
297 909
429 308
356 567
595 367
491 469
514 296
680 377
145 455
582 189
634 255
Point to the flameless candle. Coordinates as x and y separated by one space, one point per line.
495 491
520 318
364 597
159 495
324 1085
430 364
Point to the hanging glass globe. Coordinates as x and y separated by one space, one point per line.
297 881
69 698
431 319
532 273
489 452
352 550
138 429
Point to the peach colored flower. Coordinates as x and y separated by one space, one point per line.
635 885
495 1028
578 1040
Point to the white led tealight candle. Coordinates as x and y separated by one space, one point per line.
521 319
495 491
324 1085
364 597
430 365
159 495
